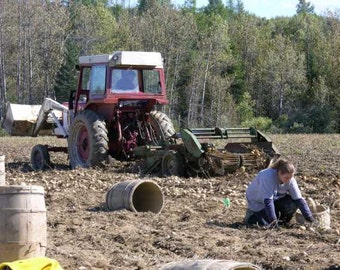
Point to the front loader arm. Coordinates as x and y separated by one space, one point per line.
47 108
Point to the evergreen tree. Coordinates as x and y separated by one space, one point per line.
216 7
144 5
304 7
190 5
66 79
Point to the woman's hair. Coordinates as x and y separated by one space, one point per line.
283 166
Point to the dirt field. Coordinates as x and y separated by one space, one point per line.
194 222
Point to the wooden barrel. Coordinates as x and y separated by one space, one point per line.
206 264
136 196
23 224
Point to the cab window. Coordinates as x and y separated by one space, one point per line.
85 81
97 80
151 82
124 80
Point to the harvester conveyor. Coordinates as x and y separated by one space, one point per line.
191 156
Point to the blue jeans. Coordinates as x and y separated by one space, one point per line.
285 209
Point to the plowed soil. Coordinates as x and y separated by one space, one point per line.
194 223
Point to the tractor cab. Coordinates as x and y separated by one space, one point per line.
120 79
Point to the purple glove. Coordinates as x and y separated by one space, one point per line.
270 210
304 208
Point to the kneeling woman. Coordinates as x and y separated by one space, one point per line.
274 196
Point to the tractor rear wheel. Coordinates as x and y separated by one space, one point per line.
87 141
163 124
40 158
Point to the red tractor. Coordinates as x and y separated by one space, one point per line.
113 107
111 112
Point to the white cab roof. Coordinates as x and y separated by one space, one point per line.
125 58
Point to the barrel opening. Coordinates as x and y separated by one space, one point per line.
147 197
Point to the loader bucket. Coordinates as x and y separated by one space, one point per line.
20 120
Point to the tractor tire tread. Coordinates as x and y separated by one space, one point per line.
97 136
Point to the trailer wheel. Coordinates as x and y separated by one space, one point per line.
164 123
40 158
87 141
172 164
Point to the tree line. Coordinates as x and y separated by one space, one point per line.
224 66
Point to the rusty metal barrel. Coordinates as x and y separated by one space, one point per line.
207 264
135 195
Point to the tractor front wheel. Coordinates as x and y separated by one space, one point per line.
40 158
87 141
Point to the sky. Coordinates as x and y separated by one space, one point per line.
273 8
